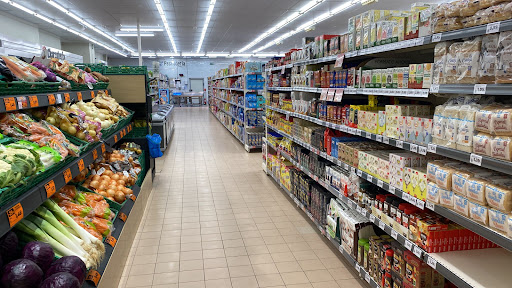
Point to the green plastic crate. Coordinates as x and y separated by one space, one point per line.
142 161
128 70
123 121
99 67
80 87
100 85
22 87
53 169
138 132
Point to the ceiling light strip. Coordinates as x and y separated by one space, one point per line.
294 16
64 27
206 22
142 29
166 25
131 34
90 26
310 23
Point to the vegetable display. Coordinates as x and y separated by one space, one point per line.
22 70
103 101
71 73
21 273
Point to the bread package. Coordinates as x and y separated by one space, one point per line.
451 115
466 130
501 148
440 54
499 195
509 222
453 9
483 119
488 3
461 205
450 68
498 220
482 144
446 198
501 122
432 192
468 7
459 181
475 190
439 123
487 63
498 12
479 212
444 177
467 61
504 58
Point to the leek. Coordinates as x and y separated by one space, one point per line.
48 216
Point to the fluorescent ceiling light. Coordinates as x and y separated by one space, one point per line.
192 54
121 34
206 22
166 25
310 23
142 29
167 54
217 55
292 17
88 25
64 27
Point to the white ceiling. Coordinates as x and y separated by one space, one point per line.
234 23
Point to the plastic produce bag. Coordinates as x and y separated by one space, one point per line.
154 145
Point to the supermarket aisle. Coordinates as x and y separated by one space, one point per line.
216 220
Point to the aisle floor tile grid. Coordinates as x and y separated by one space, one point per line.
215 220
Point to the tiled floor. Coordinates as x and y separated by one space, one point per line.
216 220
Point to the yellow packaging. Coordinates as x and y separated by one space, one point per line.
381 129
372 101
373 34
407 180
359 22
399 28
420 191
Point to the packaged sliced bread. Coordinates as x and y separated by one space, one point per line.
499 195
467 61
446 198
466 130
498 220
483 118
450 68
475 190
504 58
461 205
488 62
432 192
482 144
501 148
440 54
479 212
468 7
501 122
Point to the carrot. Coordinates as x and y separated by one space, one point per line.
15 69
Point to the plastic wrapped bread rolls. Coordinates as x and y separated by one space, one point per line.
467 61
451 66
504 58
440 55
468 7
487 63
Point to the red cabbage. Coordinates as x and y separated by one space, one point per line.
61 280
39 252
71 264
9 247
50 76
21 273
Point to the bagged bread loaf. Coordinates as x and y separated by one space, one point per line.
501 148
498 220
432 192
483 119
497 13
487 63
446 197
479 212
499 195
440 54
488 3
466 130
501 122
461 205
482 144
452 9
468 7
439 123
450 68
475 190
459 179
467 61
444 177
451 116
504 58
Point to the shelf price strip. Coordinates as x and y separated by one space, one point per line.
15 214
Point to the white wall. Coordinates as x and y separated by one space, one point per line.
83 49
50 40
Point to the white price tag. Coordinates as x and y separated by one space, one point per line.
382 225
413 148
385 140
380 183
432 262
400 144
359 173
358 209
378 138
406 196
100 171
363 212
369 178
358 267
392 189
436 37
422 150
394 234
430 205
59 98
417 251
346 166
408 244
480 89
434 88
432 148
367 277
287 117
358 132
126 174
492 28
372 218
353 170
420 204
368 135
475 159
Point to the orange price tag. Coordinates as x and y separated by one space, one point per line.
106 92
79 96
10 104
81 165
92 95
67 98
33 101
93 276
15 214
67 175
51 99
122 216
111 240
115 138
50 188
133 197
103 148
94 154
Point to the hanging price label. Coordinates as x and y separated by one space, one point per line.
323 94
408 244
422 150
436 37
81 165
432 262
380 183
417 251
67 175
369 178
358 268
339 95
400 144
103 148
385 140
382 225
394 234
15 214
51 99
94 154
475 159
430 205
115 138
50 188
79 96
122 216
10 104
480 89
492 28
432 148
413 148
22 102
92 95
330 94
359 173
93 276
392 189
367 277
67 98
372 218
34 102
378 138
111 241
434 88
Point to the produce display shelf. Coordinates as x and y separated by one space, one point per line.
233 133
118 226
435 260
362 272
21 102
486 232
471 158
30 200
